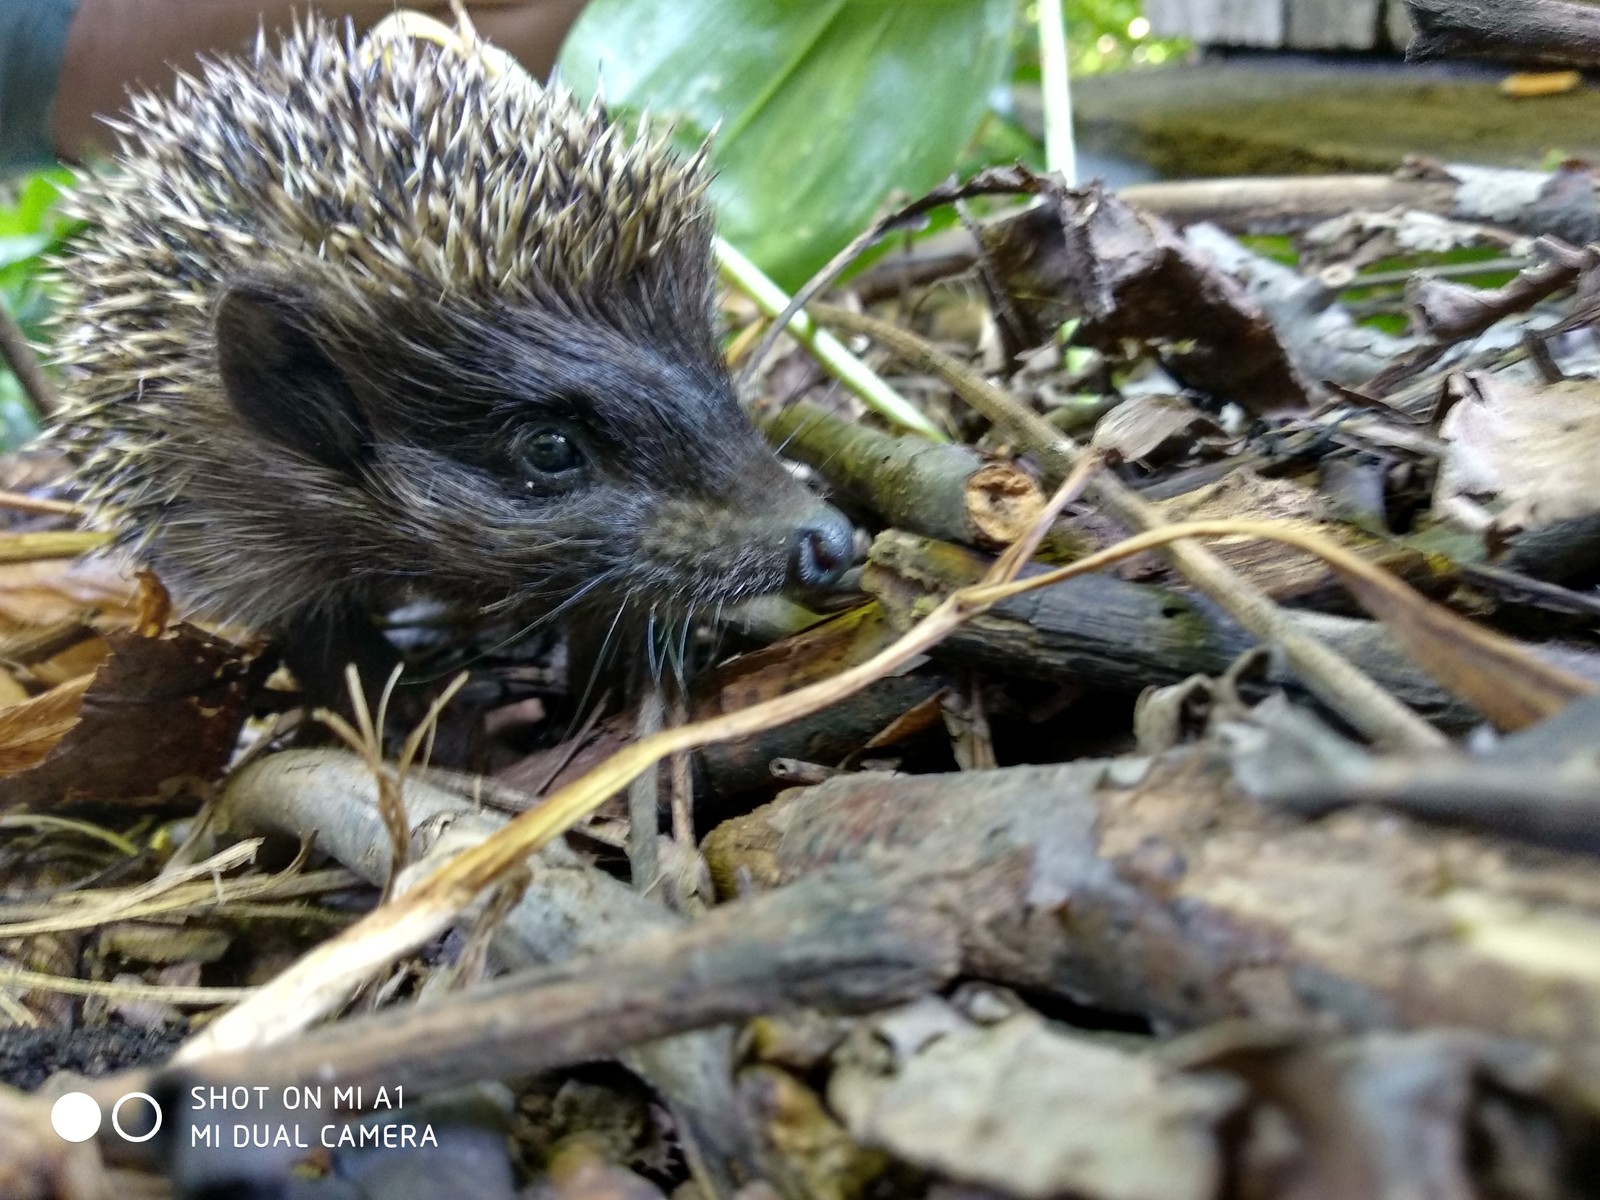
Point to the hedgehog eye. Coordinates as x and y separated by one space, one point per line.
545 452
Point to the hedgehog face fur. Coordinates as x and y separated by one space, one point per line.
351 324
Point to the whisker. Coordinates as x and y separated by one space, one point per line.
603 654
522 632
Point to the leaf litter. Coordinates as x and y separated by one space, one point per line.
1320 919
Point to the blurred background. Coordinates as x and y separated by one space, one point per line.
826 113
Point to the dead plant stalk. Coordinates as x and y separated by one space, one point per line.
1332 678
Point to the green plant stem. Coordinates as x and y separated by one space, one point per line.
829 351
1060 148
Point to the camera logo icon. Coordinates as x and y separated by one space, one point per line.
76 1116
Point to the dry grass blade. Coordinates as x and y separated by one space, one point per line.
40 505
67 543
365 739
87 829
150 993
164 894
250 895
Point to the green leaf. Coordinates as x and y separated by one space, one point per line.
20 247
32 211
17 422
824 107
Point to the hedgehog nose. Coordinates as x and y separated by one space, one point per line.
822 548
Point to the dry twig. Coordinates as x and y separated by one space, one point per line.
1333 679
326 975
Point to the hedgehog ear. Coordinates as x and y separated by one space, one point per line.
282 380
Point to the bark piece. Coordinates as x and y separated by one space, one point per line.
1107 633
1037 1113
944 491
1545 31
1170 896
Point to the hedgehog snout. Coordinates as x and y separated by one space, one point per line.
823 542
723 550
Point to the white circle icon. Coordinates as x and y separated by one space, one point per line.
75 1117
116 1110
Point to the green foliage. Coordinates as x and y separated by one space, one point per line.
1276 246
826 112
29 229
824 108
1108 35
1102 35
1377 295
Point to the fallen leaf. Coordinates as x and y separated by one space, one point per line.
47 592
1129 275
1035 1113
1135 429
1532 449
159 709
30 730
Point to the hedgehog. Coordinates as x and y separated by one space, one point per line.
351 326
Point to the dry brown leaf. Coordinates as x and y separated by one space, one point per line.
816 653
1135 429
30 730
47 592
1500 678
1032 1112
1129 275
1530 448
158 710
